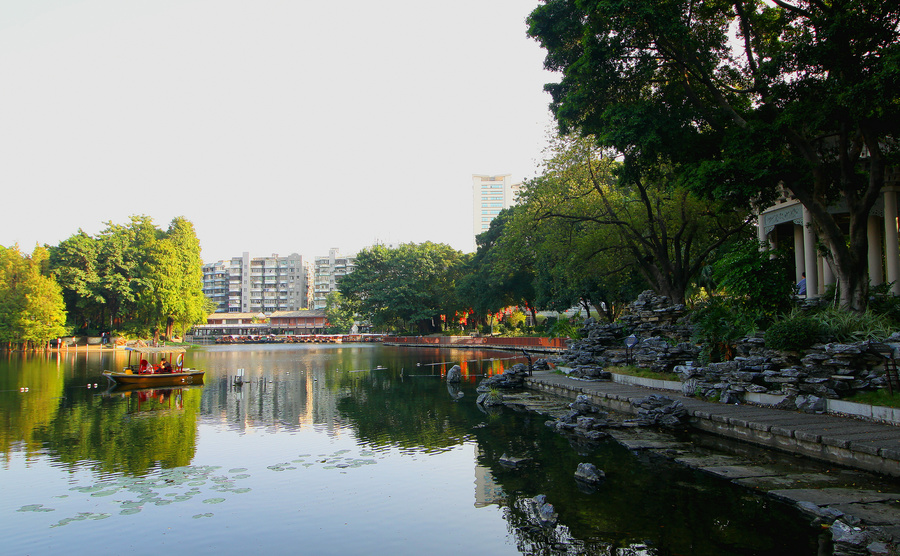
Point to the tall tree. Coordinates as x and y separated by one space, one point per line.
750 94
32 311
412 284
646 224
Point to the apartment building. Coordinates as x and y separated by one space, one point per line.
327 272
258 285
490 195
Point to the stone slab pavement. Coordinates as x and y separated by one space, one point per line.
847 441
849 494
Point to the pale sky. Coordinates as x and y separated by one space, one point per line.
275 126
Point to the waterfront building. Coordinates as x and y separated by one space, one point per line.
298 322
490 195
258 285
327 273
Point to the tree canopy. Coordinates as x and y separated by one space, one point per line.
133 277
594 231
413 284
31 305
744 97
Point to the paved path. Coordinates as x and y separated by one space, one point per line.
872 501
847 441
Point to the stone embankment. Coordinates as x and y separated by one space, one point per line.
861 514
801 381
861 511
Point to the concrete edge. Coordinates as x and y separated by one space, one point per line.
877 413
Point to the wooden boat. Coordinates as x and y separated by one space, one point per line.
145 374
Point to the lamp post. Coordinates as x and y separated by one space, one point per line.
630 342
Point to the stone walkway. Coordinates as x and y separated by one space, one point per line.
863 503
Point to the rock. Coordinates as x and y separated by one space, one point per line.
588 473
513 461
850 540
546 512
488 399
454 374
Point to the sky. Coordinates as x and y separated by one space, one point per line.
274 126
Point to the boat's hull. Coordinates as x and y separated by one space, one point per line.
163 379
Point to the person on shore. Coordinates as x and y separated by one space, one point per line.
801 285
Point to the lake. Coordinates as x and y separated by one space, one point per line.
336 449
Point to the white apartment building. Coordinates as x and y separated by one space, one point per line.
490 195
259 284
327 272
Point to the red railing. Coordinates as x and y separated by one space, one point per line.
558 343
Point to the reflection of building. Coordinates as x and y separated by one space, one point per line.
327 272
260 284
487 491
490 195
788 224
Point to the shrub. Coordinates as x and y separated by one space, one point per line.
756 280
795 333
846 326
718 324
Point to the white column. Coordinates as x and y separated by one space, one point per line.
799 261
809 256
892 251
826 273
876 270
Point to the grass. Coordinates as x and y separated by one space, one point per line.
877 397
640 372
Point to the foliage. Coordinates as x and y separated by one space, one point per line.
881 398
846 326
501 274
756 279
412 285
744 98
31 305
515 319
339 314
795 333
596 228
640 372
883 302
718 324
134 278
562 328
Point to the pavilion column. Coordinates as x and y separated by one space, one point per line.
799 261
828 278
892 249
876 271
810 256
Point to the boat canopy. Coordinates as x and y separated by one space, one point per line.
164 349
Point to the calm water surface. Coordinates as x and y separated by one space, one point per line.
356 449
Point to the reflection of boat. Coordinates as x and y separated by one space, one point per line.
116 388
162 399
146 374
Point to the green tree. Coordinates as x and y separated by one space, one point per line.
501 274
134 277
32 311
647 224
339 313
744 96
413 284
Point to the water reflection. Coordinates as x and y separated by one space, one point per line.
364 435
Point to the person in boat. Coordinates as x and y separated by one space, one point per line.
165 366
